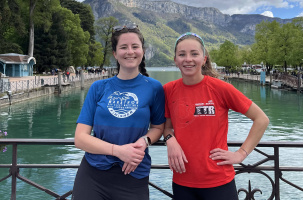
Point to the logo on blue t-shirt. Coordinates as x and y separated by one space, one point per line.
122 105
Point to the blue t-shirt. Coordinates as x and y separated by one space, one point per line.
120 112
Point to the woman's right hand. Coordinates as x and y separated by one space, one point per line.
131 154
176 156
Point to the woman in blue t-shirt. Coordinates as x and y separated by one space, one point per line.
126 115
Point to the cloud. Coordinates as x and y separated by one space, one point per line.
268 14
240 6
300 15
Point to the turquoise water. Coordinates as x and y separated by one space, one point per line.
55 116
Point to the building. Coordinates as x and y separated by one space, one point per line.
16 65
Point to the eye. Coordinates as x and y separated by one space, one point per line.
181 54
195 53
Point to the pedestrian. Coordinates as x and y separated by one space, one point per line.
63 75
67 75
196 111
126 115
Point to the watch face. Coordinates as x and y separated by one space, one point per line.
149 141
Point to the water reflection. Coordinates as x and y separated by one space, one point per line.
55 117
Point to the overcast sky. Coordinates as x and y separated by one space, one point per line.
272 8
284 9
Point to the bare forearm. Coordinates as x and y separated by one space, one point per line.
256 132
260 123
168 128
93 145
168 131
85 141
155 132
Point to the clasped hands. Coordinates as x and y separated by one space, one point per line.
131 154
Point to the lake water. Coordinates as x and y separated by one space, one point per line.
55 116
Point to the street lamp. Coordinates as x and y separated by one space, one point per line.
9 94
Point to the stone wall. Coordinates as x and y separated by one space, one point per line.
44 90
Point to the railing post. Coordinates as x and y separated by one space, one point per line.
82 79
59 82
14 172
299 83
27 85
1 85
277 173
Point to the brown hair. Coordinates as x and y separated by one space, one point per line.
115 38
207 68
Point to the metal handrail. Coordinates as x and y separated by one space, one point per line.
240 168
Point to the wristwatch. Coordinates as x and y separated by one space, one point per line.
147 140
168 137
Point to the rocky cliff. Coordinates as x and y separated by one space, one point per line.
162 21
241 23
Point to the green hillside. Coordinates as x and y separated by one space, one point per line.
162 29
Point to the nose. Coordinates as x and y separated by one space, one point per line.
188 58
130 51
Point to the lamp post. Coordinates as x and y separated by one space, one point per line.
9 94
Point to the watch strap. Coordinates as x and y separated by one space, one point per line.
168 137
147 140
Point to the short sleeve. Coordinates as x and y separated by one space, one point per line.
89 107
158 106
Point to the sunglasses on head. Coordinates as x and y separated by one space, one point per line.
129 27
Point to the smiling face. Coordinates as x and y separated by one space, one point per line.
189 59
129 51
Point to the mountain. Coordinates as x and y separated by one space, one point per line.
161 22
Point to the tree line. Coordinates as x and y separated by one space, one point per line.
278 46
58 33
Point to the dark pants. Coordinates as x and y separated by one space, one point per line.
224 192
112 184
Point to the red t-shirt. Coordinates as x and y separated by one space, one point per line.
199 114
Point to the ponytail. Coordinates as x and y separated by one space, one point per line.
142 67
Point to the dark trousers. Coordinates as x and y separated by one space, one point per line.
224 192
112 184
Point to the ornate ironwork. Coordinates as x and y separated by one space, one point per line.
241 168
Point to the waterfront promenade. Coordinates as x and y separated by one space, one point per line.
16 89
277 81
41 150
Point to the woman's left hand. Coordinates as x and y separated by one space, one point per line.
127 167
227 157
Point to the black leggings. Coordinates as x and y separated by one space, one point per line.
224 192
112 184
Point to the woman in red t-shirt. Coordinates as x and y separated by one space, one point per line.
196 111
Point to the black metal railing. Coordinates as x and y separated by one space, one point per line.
257 167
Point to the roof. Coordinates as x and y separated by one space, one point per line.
13 58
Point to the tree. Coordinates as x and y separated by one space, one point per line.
86 16
246 55
297 50
282 44
95 55
45 53
77 38
104 28
40 13
12 27
85 13
227 55
264 38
